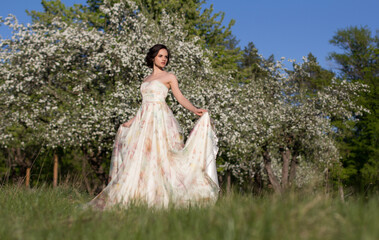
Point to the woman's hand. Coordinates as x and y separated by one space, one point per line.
128 123
200 111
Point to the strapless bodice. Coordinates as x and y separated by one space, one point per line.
153 91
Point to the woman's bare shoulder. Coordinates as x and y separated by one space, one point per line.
146 78
171 76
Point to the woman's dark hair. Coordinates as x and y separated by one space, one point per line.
153 52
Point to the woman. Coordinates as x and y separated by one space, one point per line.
150 163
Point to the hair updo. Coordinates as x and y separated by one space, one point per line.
153 52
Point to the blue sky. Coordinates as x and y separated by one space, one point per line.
290 29
293 28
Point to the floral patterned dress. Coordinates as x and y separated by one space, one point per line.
151 164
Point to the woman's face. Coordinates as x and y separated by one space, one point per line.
161 59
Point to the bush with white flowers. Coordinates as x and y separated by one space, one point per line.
72 85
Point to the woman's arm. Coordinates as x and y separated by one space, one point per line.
181 99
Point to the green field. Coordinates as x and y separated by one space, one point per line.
46 213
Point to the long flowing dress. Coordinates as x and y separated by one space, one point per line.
151 164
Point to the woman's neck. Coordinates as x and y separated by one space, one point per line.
157 70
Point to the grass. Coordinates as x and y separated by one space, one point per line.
46 213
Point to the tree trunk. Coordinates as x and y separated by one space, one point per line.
95 162
228 182
27 177
326 181
294 163
55 172
285 169
257 184
340 191
9 167
271 176
85 177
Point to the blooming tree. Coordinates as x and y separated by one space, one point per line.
276 130
71 86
